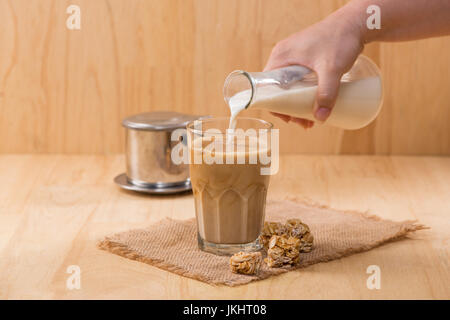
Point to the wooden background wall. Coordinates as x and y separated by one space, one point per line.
64 91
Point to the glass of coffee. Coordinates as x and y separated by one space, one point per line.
229 176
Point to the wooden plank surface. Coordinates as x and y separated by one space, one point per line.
66 91
53 209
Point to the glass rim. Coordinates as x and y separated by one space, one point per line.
268 125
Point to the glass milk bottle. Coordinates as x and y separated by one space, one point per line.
292 91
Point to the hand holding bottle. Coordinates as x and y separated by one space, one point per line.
331 46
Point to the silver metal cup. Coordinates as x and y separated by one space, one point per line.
149 147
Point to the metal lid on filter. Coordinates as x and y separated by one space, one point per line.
158 121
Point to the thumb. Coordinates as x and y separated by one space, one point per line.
327 92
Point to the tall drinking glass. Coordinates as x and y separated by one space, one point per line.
229 182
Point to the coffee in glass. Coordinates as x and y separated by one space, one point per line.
228 182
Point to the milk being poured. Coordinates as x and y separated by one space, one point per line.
292 91
237 105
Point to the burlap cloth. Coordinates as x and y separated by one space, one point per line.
172 244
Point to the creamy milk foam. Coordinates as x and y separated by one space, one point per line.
358 102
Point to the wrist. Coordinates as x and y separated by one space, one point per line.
353 19
348 24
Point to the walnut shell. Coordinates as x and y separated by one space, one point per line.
245 262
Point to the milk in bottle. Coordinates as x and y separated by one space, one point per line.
292 91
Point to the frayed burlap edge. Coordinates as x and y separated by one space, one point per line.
108 244
406 227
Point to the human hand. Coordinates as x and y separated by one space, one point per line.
329 47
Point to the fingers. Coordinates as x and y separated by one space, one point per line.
272 60
303 122
283 117
327 92
279 57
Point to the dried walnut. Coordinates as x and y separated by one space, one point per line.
245 262
270 229
283 250
295 228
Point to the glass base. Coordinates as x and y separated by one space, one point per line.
227 249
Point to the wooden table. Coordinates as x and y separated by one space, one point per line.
53 209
